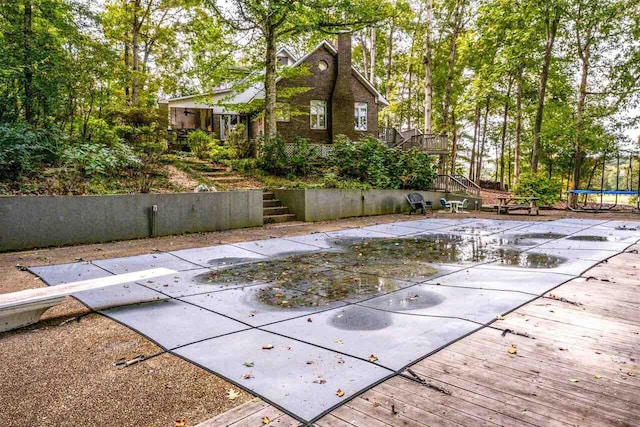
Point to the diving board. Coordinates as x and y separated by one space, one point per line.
23 308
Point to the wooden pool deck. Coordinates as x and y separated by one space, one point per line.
579 366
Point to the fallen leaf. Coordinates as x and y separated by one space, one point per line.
265 420
248 364
499 317
373 358
597 376
340 361
309 362
232 394
180 423
339 393
309 320
573 380
267 346
247 376
320 380
631 374
512 349
338 341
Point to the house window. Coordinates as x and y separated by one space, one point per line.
318 114
283 61
361 115
283 111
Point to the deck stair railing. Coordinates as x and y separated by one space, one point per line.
472 188
450 184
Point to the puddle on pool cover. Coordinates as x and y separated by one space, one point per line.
356 318
542 236
364 267
592 238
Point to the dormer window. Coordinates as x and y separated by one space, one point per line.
283 61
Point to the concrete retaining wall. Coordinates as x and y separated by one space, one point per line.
40 221
328 204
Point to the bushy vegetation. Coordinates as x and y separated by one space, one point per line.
371 162
274 159
548 190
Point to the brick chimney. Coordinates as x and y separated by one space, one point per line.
342 99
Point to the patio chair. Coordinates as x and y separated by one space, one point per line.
465 206
417 202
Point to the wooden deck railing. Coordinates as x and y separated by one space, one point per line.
451 184
472 188
432 144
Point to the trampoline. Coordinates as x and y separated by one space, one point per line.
609 186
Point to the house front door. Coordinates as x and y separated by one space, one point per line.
227 122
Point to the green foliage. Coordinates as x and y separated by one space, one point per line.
24 149
333 180
418 171
245 166
274 159
371 162
240 147
541 186
95 159
202 144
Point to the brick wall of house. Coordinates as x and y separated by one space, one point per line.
321 84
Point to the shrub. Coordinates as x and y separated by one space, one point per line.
541 186
369 161
24 149
95 159
245 166
201 143
418 170
240 147
274 159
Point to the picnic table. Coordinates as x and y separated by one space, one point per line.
512 203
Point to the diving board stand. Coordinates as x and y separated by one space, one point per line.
23 308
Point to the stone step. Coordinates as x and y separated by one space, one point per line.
271 203
276 210
226 178
268 195
214 173
270 219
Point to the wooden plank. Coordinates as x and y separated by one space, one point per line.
236 414
357 418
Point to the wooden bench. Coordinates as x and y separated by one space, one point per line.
23 308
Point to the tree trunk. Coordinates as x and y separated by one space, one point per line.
551 23
365 55
270 82
519 96
28 66
428 65
503 137
372 56
127 66
454 142
476 130
484 138
388 86
585 56
135 55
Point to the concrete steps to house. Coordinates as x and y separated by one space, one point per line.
273 210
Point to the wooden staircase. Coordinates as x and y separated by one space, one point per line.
273 209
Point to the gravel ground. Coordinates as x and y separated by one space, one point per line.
63 375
